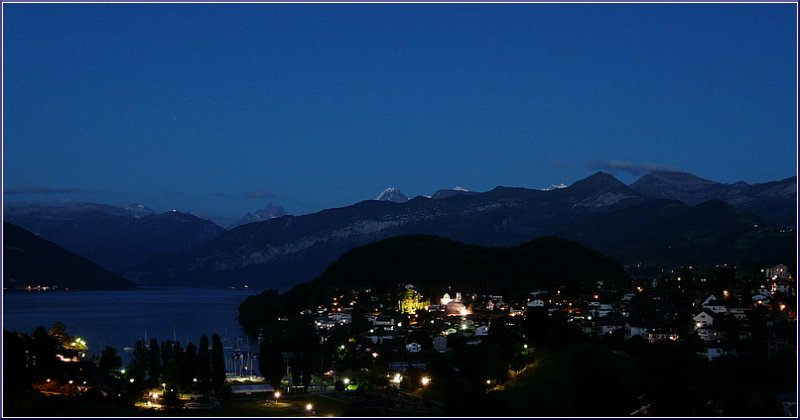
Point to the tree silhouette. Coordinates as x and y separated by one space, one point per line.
203 364
109 360
217 363
270 361
154 361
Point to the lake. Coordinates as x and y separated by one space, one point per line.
119 318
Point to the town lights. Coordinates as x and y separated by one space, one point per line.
425 380
375 355
122 371
397 378
346 381
132 380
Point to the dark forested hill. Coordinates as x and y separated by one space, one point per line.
30 261
432 264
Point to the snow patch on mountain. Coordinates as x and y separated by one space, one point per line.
270 212
392 194
555 187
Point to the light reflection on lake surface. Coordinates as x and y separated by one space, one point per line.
119 318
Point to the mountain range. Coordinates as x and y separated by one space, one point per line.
774 201
116 238
662 218
31 261
642 222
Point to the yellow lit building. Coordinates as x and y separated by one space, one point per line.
412 301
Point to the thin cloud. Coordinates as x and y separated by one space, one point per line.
38 189
258 194
632 168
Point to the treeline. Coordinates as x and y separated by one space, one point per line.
37 362
31 361
194 367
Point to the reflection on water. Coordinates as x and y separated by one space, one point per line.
120 318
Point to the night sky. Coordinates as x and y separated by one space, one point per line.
220 109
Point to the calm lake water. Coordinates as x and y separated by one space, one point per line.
120 318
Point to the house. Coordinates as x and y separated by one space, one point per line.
536 303
632 330
402 366
490 305
739 311
709 299
661 334
602 310
716 350
342 318
707 334
482 330
783 286
413 347
702 320
760 300
611 323
383 321
716 306
325 323
779 271
379 338
440 343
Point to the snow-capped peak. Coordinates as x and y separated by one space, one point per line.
555 187
392 194
139 210
457 188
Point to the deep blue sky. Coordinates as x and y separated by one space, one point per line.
218 109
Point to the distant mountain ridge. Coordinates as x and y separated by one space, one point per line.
447 193
116 238
271 211
31 261
599 212
774 201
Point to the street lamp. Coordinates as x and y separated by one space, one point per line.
277 395
309 407
425 380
